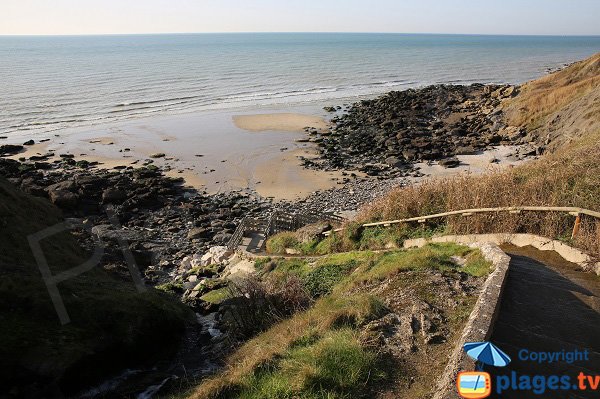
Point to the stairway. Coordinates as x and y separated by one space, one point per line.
252 233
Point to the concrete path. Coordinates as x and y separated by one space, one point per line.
253 242
548 305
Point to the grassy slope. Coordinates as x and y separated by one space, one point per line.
562 106
112 325
565 104
320 353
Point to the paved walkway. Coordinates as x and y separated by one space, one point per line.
253 242
548 305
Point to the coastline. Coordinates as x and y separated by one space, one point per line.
263 154
144 169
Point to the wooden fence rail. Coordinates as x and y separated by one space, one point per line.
577 212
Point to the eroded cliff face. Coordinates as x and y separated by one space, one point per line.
559 107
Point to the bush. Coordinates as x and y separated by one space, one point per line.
258 304
279 242
320 280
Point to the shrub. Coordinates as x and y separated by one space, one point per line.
258 304
320 280
279 242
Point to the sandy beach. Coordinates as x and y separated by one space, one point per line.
213 152
287 122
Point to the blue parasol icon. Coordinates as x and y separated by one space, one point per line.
487 353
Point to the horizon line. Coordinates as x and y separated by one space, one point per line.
293 32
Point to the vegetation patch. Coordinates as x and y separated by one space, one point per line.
324 351
336 363
217 296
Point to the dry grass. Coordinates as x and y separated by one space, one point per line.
570 177
565 100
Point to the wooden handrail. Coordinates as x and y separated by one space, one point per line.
469 212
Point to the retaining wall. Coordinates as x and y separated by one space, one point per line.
520 240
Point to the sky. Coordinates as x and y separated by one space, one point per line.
514 17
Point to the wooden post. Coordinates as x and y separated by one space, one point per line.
576 226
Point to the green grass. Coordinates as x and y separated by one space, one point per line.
278 243
430 257
331 366
170 287
321 276
217 296
353 238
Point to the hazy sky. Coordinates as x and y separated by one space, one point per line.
560 17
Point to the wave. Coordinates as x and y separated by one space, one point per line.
136 108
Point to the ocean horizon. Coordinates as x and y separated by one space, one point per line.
57 82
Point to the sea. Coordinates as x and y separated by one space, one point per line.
50 83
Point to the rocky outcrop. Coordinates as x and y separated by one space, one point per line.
385 135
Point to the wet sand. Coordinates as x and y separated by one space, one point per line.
213 152
287 122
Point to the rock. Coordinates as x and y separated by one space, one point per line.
215 255
62 195
409 154
63 199
449 162
29 142
10 149
185 265
393 162
113 195
311 232
329 109
157 155
199 232
465 150
206 259
108 232
43 157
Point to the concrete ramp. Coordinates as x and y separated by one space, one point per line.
549 305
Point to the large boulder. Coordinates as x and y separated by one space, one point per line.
63 199
10 149
215 255
312 232
113 195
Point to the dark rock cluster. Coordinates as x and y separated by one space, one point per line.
385 135
161 221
